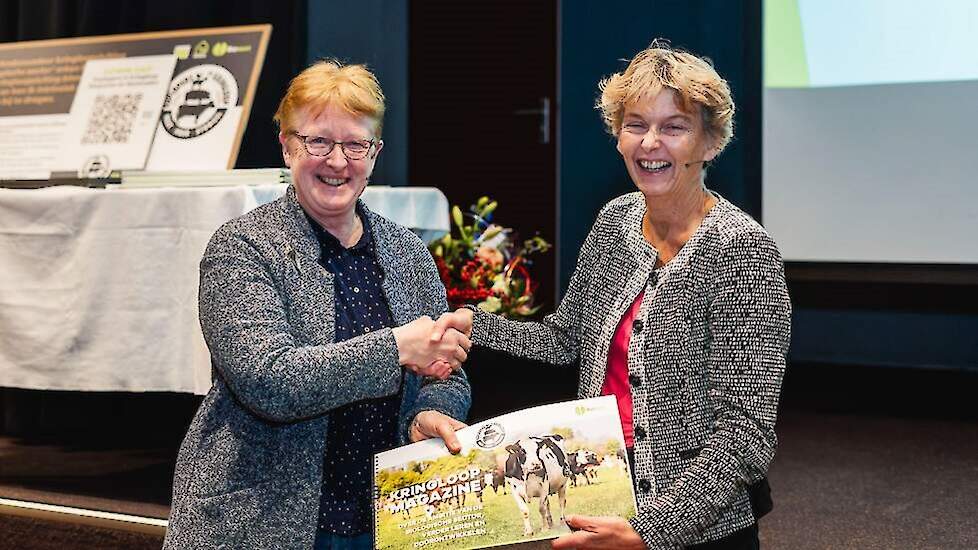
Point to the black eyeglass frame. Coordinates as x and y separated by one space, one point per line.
305 144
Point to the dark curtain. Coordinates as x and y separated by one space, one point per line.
42 19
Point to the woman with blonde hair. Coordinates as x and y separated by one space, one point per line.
317 313
678 307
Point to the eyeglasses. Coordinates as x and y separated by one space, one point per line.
670 129
318 146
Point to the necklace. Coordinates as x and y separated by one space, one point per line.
356 233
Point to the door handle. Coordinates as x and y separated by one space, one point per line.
544 113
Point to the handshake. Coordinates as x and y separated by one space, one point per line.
435 348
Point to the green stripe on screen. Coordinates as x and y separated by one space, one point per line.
785 64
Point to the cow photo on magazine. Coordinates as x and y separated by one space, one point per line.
516 479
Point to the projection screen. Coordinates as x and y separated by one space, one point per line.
871 130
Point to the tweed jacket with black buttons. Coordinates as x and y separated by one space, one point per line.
249 471
706 360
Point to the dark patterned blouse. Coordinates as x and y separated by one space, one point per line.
359 429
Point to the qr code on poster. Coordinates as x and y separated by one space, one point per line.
111 119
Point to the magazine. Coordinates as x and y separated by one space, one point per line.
516 478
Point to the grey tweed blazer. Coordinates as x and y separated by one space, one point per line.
249 470
706 360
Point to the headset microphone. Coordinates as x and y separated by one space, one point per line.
703 162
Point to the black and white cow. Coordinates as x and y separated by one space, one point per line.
537 467
582 463
496 478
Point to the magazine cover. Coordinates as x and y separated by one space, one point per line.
517 477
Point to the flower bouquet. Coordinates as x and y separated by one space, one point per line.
483 266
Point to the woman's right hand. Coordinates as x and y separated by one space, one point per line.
419 353
460 320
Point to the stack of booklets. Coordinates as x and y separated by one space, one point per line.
212 178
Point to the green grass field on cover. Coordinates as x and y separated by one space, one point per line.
497 520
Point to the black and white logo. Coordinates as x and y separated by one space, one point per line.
197 100
96 166
490 435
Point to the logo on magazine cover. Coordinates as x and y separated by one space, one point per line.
197 100
490 435
581 410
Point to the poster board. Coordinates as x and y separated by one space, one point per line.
202 120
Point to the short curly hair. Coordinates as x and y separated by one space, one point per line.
659 66
353 88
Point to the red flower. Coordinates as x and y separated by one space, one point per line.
443 272
458 297
469 270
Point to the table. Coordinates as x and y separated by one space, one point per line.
98 287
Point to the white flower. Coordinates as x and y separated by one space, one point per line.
494 236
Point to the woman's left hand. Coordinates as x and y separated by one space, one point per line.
596 533
429 424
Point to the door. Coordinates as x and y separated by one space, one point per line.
482 119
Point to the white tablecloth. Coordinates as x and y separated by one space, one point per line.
98 287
